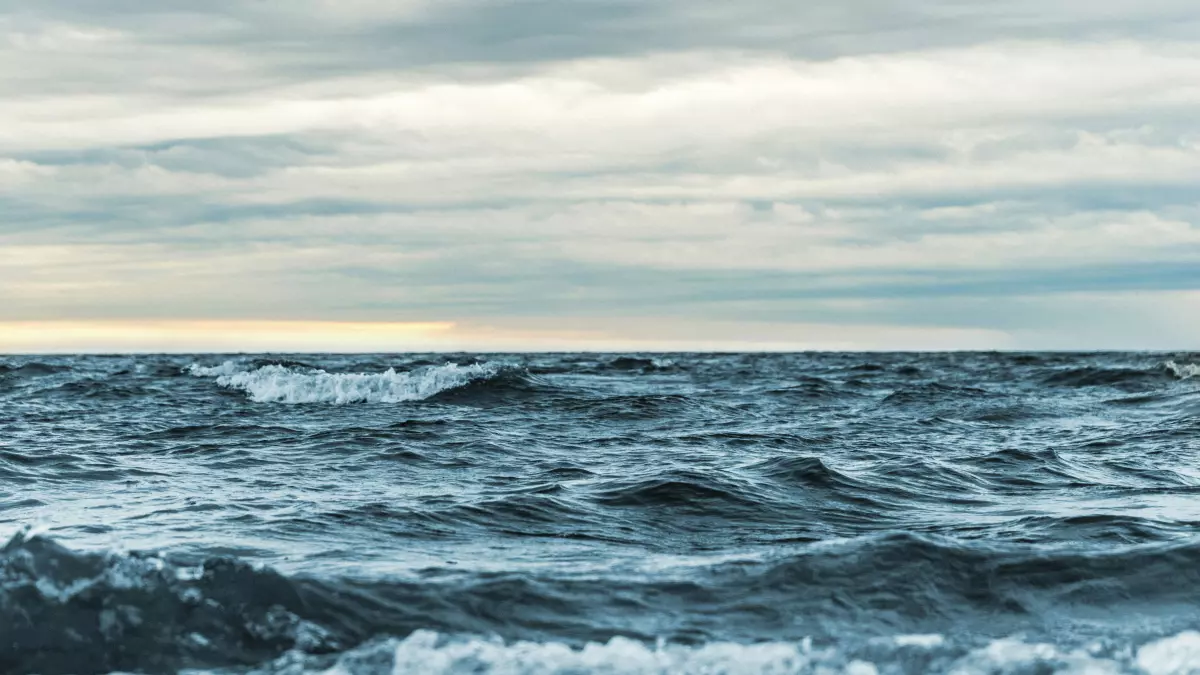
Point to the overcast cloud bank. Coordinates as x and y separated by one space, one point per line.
599 172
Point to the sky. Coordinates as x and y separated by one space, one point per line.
398 175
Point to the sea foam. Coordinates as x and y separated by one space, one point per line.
429 653
227 368
279 384
1183 371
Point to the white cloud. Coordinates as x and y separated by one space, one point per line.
588 106
174 162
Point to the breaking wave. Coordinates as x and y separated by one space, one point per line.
224 370
284 384
428 652
67 612
1183 371
63 611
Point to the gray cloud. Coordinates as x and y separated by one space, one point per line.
858 163
362 35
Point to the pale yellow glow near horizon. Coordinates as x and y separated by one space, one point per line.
73 336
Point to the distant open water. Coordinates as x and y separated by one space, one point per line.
801 513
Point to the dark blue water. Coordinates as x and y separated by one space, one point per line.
797 513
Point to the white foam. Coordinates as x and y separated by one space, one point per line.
1014 656
278 384
227 368
925 641
1177 655
1183 371
427 653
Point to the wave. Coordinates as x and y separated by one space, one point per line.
640 363
428 652
33 369
225 369
608 365
287 384
689 490
431 653
802 471
506 383
1183 371
1098 528
815 389
96 389
934 393
636 406
68 612
1121 378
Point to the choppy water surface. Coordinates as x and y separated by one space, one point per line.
803 513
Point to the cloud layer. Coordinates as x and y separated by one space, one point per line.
591 172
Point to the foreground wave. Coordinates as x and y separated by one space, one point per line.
68 612
429 652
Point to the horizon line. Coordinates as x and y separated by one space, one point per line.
484 352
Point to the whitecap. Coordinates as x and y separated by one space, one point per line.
1183 371
1017 657
925 641
1177 655
436 654
226 368
429 653
279 384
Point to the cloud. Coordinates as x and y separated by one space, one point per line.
783 167
315 37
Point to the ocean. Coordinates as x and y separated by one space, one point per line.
867 514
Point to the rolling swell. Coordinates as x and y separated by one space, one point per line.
505 383
68 612
32 369
802 471
682 489
1124 378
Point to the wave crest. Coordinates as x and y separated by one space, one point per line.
227 368
1183 371
429 652
283 384
68 612
33 369
71 612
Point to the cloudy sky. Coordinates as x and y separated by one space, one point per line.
624 174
